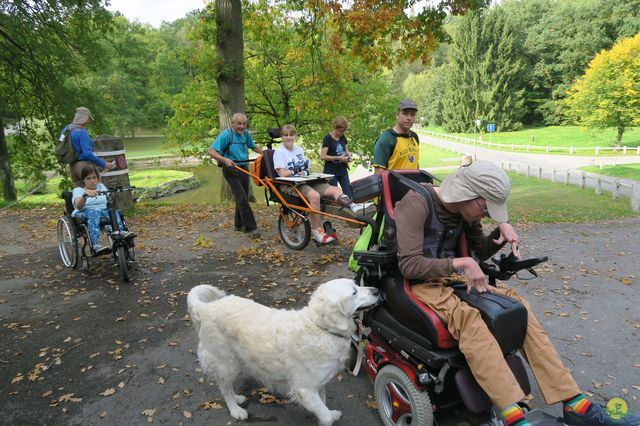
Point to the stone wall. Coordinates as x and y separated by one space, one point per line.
166 188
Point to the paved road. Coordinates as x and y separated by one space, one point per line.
114 350
558 168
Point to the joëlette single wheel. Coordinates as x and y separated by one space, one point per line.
294 229
399 402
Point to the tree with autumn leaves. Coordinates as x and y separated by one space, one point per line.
608 95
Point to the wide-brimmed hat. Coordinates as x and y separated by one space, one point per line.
407 104
481 179
83 115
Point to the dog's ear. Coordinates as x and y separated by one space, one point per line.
328 312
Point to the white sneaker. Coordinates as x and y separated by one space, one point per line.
321 237
363 208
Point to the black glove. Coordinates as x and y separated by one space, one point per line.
296 169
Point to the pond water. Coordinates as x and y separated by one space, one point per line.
208 192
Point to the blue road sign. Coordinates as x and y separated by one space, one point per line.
491 127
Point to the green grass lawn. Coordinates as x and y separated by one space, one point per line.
145 146
542 201
430 156
558 136
624 171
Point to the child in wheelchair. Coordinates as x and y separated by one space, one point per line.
90 204
289 160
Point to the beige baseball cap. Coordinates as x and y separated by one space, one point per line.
480 179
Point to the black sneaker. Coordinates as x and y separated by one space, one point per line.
254 234
128 236
598 415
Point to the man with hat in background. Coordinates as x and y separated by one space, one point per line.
83 146
398 148
429 261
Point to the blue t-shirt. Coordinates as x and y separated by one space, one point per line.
233 147
91 203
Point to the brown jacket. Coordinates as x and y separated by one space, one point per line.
411 215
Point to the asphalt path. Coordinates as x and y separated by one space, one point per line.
82 348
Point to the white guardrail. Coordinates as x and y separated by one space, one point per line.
617 187
599 183
621 150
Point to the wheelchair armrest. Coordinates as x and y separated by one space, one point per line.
384 259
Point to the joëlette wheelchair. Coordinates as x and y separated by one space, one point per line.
410 355
293 219
74 242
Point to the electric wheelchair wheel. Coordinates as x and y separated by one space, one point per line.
294 229
67 242
399 402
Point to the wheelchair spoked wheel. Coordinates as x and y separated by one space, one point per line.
67 242
122 259
294 229
399 402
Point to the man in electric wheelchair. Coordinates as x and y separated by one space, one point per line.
429 221
89 203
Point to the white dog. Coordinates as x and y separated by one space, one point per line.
296 352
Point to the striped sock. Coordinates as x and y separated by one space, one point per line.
579 403
514 416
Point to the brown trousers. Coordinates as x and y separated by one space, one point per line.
483 353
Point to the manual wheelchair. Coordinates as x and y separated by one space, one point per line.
73 235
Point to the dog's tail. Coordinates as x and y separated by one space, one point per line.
198 296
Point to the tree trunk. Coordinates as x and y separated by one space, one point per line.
6 177
230 72
619 137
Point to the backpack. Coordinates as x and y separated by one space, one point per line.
246 135
65 154
259 169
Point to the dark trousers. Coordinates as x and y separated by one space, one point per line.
239 183
344 182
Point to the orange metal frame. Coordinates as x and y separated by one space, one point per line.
272 185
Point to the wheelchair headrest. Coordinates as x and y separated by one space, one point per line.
396 184
274 132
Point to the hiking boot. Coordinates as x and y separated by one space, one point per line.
598 415
321 237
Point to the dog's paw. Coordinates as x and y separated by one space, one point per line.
336 415
240 399
239 413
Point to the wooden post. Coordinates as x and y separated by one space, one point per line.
111 148
616 190
553 175
566 177
539 172
583 178
598 185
